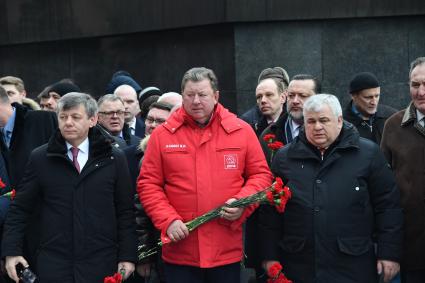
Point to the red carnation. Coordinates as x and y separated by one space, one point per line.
270 197
116 278
275 269
278 185
13 194
275 145
281 205
287 192
2 185
269 137
276 275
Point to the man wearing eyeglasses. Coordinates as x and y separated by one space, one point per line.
403 143
158 114
111 119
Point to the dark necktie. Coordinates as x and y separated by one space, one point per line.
3 172
288 132
74 152
4 137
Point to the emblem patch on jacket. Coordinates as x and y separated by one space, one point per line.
230 161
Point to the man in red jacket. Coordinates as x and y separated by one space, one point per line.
202 157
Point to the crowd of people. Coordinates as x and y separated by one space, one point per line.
93 180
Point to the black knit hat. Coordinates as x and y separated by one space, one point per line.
363 81
63 88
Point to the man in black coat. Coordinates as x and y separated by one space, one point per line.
364 110
270 95
22 131
87 229
344 198
111 119
287 127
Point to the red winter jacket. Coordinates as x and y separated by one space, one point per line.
188 170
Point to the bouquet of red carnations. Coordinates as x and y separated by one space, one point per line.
277 194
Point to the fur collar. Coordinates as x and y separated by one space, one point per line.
99 144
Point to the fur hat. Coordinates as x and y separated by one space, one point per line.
364 80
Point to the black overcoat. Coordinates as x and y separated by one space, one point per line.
32 129
373 133
340 207
86 220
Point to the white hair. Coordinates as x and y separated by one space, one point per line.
172 98
315 104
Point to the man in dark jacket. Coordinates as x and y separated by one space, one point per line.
86 222
403 143
343 194
111 119
270 96
287 127
22 131
364 110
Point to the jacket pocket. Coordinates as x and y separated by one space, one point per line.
354 245
292 244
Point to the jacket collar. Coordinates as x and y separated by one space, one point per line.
409 115
99 144
225 118
410 118
18 127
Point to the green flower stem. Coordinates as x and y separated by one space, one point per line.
259 197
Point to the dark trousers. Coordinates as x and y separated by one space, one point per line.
229 273
413 276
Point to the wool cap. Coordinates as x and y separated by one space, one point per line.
364 80
149 91
118 80
63 88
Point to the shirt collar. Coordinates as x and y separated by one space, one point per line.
132 124
294 124
83 147
8 128
419 115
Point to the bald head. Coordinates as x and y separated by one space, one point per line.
129 96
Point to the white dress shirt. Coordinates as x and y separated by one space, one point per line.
420 117
132 126
83 153
295 129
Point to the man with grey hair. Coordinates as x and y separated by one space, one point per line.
86 224
403 143
344 197
201 158
172 98
111 121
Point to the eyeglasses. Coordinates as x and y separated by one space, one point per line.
151 120
113 113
